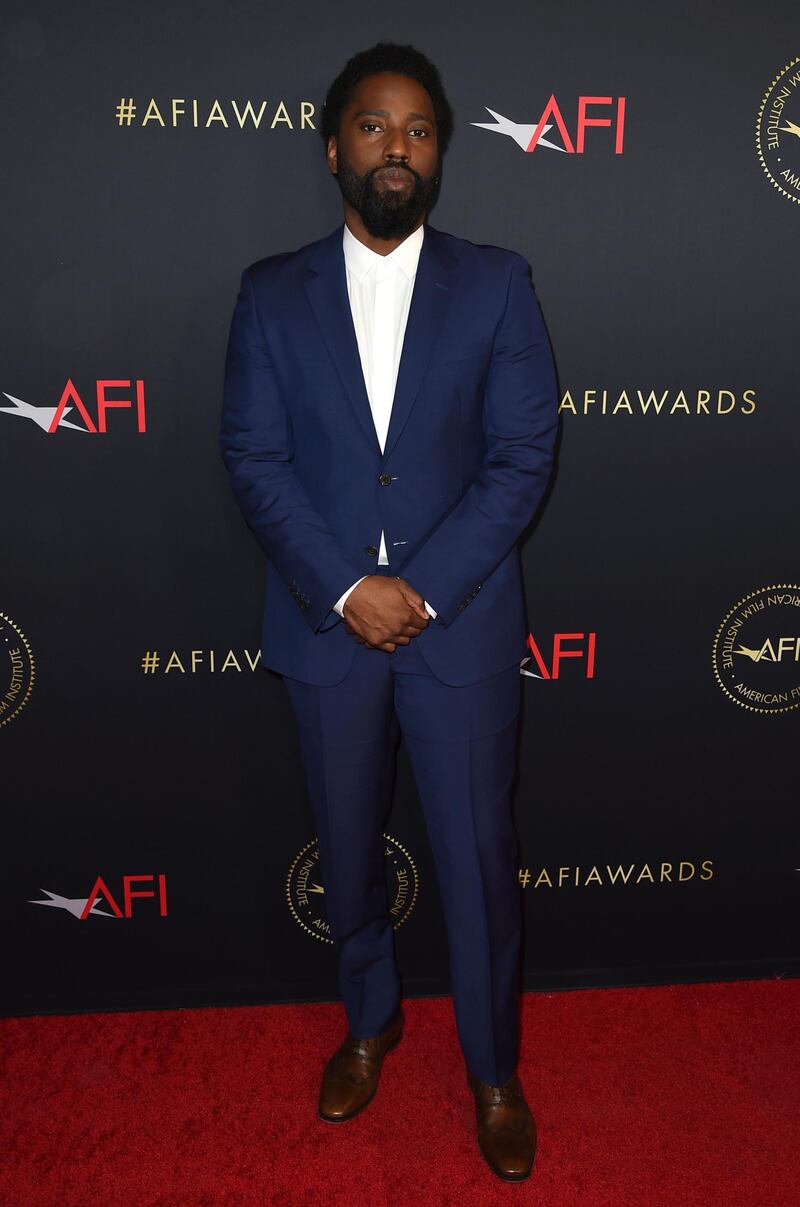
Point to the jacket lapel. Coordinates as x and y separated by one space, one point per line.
430 300
327 293
326 288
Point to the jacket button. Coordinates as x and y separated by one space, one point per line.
371 550
385 480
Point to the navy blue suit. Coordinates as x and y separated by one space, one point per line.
467 457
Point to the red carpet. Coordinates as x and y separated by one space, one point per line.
673 1096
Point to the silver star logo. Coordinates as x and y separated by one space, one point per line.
530 674
41 416
521 133
73 905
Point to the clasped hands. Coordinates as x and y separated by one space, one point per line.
383 613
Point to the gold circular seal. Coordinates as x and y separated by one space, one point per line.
305 891
756 653
778 131
17 672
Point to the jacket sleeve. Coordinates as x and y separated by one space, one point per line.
520 419
256 446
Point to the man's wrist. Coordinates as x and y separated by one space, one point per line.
339 605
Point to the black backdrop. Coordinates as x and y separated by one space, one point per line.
665 257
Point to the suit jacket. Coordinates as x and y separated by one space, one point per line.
467 455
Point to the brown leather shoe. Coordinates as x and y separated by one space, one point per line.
506 1130
351 1075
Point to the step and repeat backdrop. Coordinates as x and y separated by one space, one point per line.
160 849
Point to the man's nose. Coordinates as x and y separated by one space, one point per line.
397 145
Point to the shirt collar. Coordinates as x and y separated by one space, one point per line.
360 259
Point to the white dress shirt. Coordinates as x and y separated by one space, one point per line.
379 289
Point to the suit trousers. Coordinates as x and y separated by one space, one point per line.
461 743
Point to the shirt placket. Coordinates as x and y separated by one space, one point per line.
383 341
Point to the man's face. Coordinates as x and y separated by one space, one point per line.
386 155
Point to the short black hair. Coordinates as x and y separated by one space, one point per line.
401 60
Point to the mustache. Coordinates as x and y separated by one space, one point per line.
395 167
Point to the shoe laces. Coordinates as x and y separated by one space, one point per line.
366 1049
501 1094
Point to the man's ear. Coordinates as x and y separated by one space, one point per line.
332 154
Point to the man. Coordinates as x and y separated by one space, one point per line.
388 425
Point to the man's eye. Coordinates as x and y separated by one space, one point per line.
419 130
370 125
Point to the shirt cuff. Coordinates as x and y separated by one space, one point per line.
339 605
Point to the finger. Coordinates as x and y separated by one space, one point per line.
401 637
416 600
415 622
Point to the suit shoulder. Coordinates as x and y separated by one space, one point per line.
485 255
281 265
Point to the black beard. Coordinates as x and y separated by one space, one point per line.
386 214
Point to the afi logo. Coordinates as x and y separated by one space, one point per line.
561 650
530 136
50 418
128 894
82 907
786 645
